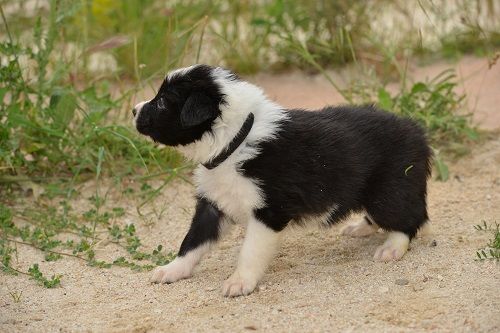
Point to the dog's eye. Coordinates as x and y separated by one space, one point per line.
160 103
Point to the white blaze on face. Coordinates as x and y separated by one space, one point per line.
139 106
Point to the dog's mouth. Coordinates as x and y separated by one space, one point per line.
143 124
148 132
143 128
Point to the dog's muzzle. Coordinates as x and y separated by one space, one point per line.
142 123
137 109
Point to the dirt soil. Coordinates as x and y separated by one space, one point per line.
320 281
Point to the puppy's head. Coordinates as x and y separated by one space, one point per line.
185 107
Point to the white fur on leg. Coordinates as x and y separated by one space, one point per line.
359 229
259 247
394 247
181 267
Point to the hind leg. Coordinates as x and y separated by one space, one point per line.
402 225
394 248
401 213
362 228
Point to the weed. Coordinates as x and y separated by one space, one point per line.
492 249
35 273
48 223
52 128
7 228
16 296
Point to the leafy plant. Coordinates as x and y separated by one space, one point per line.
35 273
46 225
436 105
492 249
51 126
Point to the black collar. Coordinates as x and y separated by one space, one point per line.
233 145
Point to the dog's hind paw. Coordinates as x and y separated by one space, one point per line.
394 247
238 285
359 229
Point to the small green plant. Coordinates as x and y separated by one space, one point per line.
436 105
46 226
492 249
35 273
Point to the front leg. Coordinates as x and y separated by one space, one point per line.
204 231
259 247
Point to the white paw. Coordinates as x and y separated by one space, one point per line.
238 285
394 247
172 272
359 229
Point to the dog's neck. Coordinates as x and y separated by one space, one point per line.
233 145
241 100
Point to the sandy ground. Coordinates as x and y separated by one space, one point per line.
320 281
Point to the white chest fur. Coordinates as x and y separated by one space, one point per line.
234 194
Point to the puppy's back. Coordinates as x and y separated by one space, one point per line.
334 153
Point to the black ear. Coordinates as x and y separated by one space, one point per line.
198 109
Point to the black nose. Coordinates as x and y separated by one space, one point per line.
134 111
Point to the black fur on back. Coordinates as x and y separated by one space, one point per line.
341 160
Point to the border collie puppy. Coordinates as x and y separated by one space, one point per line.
267 167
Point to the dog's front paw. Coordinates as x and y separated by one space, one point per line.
172 272
238 285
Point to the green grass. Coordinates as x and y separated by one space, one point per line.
52 127
435 104
63 124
